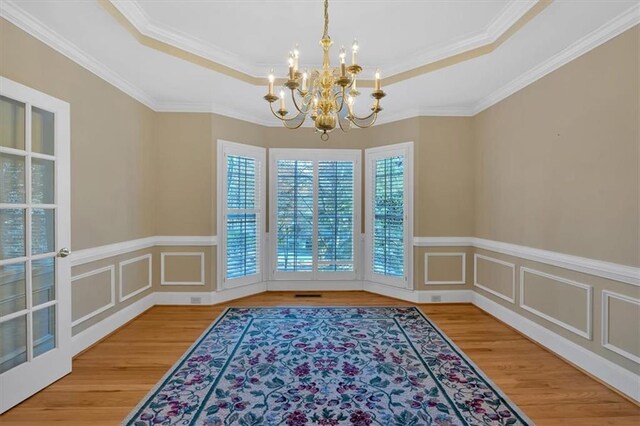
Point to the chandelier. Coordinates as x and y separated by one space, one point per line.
327 95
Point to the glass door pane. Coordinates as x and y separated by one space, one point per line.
28 294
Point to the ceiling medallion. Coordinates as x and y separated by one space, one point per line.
327 95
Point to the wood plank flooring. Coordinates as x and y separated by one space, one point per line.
109 379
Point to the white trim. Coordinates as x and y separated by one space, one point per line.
599 268
443 241
511 299
601 35
612 271
620 378
606 295
192 241
93 334
204 49
419 296
93 254
181 253
80 257
582 333
445 254
183 298
314 285
14 14
10 11
149 258
496 27
112 302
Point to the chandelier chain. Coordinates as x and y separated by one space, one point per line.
326 19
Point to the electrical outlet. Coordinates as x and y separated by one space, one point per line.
196 300
436 298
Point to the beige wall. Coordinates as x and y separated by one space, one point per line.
554 166
557 162
112 169
568 304
557 168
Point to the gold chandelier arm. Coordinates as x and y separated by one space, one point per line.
354 120
295 103
285 121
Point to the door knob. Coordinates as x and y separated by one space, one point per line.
64 252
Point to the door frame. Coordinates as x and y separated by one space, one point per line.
26 379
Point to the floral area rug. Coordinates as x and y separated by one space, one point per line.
325 366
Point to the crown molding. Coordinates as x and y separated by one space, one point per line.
12 13
604 33
148 27
499 25
514 11
144 24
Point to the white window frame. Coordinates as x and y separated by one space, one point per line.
371 156
232 148
315 155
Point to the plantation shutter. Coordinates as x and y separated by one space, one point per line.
295 215
388 217
315 212
388 229
243 217
335 216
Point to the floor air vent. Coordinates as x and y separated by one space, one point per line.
308 295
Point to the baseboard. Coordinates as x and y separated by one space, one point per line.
610 373
222 296
93 334
420 296
314 285
184 298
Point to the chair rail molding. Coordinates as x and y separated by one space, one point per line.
600 268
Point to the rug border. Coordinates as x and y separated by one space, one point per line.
134 411
501 393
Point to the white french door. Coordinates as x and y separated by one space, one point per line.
35 294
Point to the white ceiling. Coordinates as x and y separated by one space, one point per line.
252 36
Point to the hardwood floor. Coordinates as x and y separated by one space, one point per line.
110 378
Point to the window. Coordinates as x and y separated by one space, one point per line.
389 193
241 213
315 222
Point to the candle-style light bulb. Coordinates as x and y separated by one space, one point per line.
343 67
282 107
315 104
271 80
291 66
377 82
354 52
304 81
296 56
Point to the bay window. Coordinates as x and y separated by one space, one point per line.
315 218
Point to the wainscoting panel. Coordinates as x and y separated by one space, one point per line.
621 325
182 268
563 302
495 276
135 276
445 268
92 293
